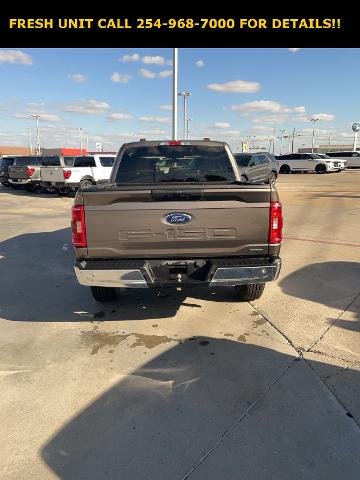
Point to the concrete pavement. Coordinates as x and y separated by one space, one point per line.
190 384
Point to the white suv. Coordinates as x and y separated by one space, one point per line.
308 162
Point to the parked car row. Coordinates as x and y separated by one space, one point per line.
56 173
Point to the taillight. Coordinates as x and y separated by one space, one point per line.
276 223
174 143
67 174
78 226
30 171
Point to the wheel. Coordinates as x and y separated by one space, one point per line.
86 183
15 186
63 192
272 178
243 178
104 294
320 168
285 169
249 292
30 188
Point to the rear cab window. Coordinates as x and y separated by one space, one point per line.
6 162
24 161
84 162
107 161
175 163
51 161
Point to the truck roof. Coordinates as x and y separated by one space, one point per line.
153 143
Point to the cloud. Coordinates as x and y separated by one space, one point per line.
301 118
166 107
325 117
49 117
300 109
120 77
35 105
281 118
87 107
155 60
155 131
144 72
200 63
77 77
319 132
15 56
261 128
260 106
236 86
294 50
221 125
154 119
120 116
135 57
165 73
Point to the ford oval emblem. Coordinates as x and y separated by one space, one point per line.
177 218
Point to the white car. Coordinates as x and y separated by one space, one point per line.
352 157
86 171
309 162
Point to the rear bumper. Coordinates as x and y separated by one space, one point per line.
59 184
22 181
156 273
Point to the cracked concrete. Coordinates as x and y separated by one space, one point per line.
194 384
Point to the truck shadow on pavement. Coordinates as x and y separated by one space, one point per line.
335 284
38 284
261 413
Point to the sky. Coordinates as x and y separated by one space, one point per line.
123 94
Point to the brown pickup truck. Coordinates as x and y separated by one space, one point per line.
175 213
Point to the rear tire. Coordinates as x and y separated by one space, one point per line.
285 169
63 192
250 292
30 188
104 294
320 169
86 183
243 178
272 178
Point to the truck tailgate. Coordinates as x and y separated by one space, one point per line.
19 172
225 221
52 174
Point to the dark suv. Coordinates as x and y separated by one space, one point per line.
5 163
258 167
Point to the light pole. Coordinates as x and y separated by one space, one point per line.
273 144
330 133
87 141
30 142
355 128
293 138
174 93
38 147
313 132
188 120
281 140
185 95
81 144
